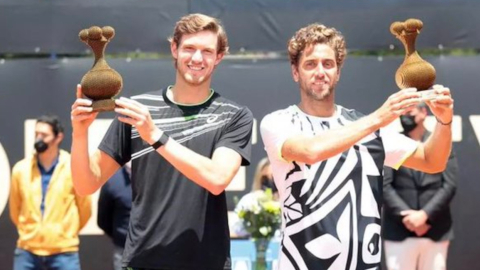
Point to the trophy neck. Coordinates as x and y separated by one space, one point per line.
409 43
99 50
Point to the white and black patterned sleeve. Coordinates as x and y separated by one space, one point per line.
398 147
275 129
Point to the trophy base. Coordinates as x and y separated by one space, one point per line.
426 95
103 105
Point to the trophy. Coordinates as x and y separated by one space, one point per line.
414 71
101 83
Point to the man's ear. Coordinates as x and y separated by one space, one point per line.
295 74
59 138
219 58
174 50
339 72
424 111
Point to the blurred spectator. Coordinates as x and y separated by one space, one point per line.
44 207
417 218
114 207
262 180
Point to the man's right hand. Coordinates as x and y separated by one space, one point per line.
396 105
82 115
422 230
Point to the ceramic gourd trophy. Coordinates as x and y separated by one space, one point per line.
101 83
414 71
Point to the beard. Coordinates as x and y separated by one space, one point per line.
322 95
191 79
194 80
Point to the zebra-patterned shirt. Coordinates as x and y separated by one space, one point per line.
331 209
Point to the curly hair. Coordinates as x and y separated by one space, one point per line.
194 23
317 34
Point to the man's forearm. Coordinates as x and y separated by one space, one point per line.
14 201
311 150
213 175
84 178
438 147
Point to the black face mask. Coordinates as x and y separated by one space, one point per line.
40 146
268 183
408 122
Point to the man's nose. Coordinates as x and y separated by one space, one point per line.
320 71
197 56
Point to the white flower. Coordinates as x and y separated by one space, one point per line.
263 230
249 202
259 214
256 209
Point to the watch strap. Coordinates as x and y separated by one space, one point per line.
161 141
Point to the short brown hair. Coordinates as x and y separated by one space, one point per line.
194 23
317 34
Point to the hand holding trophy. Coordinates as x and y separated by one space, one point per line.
101 83
414 71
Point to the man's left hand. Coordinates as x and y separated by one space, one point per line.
442 105
422 230
413 219
136 114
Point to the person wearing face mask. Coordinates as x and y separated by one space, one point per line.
43 204
417 218
262 180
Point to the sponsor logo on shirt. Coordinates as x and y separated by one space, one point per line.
212 119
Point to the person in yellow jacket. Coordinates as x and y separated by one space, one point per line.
44 207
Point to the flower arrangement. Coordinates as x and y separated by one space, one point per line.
260 214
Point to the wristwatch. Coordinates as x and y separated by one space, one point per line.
162 141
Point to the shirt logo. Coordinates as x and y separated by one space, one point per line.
212 119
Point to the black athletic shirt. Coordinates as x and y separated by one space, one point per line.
175 223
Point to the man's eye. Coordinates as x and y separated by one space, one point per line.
328 65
